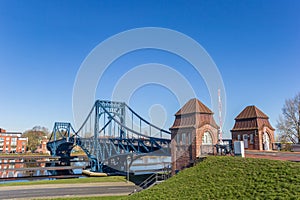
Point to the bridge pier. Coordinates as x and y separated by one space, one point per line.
96 166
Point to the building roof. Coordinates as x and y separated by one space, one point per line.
194 106
10 133
251 118
194 114
251 112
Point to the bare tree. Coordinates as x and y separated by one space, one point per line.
288 123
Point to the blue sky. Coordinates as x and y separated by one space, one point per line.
255 44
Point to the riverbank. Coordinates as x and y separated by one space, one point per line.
226 177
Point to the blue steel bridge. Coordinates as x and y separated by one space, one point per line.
111 135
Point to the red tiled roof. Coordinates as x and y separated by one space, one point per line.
193 114
251 112
194 106
194 121
251 118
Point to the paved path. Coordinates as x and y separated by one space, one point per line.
274 155
65 190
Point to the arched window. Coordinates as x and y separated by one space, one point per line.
206 138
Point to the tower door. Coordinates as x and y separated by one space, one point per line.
245 138
207 146
266 141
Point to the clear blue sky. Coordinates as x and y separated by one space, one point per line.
255 44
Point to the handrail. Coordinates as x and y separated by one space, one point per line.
148 180
151 180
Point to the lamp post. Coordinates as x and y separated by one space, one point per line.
128 158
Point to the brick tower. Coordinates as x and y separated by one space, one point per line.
253 127
194 133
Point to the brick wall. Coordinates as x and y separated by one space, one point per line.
257 138
185 153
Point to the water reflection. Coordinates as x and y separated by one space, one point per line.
150 164
37 167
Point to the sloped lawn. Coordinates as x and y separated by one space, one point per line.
230 178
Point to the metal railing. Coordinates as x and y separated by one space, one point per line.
151 181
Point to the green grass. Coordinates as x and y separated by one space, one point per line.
92 198
230 178
70 181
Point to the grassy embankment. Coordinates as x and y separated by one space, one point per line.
230 178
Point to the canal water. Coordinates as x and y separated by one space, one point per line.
41 167
150 164
38 167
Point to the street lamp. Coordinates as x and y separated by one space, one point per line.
128 158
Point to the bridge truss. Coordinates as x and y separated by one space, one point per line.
111 134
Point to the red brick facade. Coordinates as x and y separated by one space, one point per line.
194 133
42 148
12 143
2 130
253 127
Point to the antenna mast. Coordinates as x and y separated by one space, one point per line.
220 117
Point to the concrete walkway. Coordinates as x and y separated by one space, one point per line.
66 190
274 155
